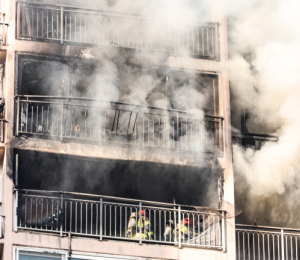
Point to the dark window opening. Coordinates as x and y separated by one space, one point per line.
136 180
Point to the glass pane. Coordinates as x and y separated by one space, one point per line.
34 257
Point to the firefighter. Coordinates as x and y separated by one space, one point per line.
169 233
145 225
187 231
131 230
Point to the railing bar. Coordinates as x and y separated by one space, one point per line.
268 246
66 21
57 210
286 248
71 204
121 221
97 218
76 213
159 213
37 119
36 210
264 255
51 213
291 240
66 216
296 247
209 223
153 130
52 23
253 246
154 214
91 205
86 216
115 221
42 207
47 214
30 212
70 27
110 220
165 219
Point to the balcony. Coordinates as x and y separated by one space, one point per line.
259 242
105 217
251 140
72 25
101 122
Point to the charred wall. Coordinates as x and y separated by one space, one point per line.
145 181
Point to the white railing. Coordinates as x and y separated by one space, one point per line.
87 26
118 218
266 243
2 226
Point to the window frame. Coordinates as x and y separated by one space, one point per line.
40 252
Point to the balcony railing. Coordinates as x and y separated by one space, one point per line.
2 127
66 24
2 226
118 218
3 29
251 140
102 122
258 242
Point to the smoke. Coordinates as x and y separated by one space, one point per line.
129 75
265 78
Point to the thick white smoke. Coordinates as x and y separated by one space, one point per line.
265 80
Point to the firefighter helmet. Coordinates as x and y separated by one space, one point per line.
188 221
143 212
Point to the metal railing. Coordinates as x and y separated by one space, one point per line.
2 226
3 29
255 141
119 218
2 132
267 243
116 122
67 24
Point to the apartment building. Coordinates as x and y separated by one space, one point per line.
115 131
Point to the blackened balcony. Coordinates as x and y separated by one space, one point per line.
252 140
73 25
105 217
100 122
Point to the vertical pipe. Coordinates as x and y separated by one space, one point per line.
179 222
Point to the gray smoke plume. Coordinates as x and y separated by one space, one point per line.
265 79
114 74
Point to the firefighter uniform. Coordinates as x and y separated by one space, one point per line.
187 231
133 230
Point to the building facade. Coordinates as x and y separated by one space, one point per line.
115 130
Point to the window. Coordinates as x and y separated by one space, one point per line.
39 254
